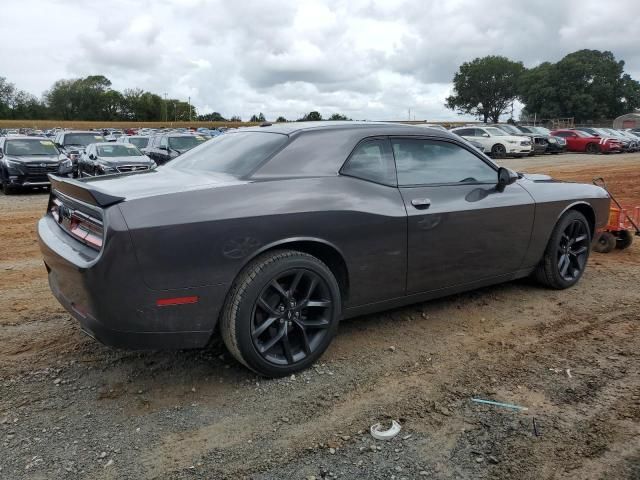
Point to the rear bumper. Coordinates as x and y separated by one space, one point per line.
107 295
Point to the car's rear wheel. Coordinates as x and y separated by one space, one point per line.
282 312
498 151
567 252
604 242
592 148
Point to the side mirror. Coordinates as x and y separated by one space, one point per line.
92 156
505 177
486 135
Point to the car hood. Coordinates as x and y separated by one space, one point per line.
160 181
143 160
33 158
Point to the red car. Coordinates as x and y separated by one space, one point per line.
578 141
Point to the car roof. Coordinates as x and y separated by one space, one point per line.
106 144
371 128
27 137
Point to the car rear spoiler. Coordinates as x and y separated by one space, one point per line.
84 192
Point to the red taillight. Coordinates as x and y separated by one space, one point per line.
79 225
165 302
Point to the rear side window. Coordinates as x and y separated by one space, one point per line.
372 160
424 162
236 154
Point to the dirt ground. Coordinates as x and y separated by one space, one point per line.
72 408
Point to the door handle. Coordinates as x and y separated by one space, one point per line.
421 203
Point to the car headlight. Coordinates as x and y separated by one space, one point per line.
12 163
551 140
105 168
152 165
66 163
513 142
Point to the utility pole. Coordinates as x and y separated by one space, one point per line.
166 109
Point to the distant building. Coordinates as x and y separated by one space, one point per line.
629 120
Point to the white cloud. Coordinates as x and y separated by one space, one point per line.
367 59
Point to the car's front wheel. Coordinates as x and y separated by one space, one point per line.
567 252
282 312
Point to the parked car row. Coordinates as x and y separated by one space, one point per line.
26 161
503 140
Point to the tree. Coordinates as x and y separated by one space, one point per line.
212 117
337 116
235 118
586 85
485 87
281 119
258 118
311 117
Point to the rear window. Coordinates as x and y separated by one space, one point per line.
186 143
139 142
82 138
235 154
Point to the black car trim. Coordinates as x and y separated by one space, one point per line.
83 191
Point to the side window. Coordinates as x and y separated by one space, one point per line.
478 132
371 160
423 162
164 142
465 132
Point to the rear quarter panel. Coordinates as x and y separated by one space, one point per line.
553 199
205 237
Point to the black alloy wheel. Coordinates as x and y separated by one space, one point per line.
573 250
282 312
498 150
565 258
291 317
592 148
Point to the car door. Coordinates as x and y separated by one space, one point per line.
163 150
461 227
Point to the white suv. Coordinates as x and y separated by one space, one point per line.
495 141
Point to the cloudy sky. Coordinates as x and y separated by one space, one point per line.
366 59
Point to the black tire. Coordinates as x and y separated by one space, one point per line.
265 324
567 252
604 242
624 239
498 151
8 189
592 148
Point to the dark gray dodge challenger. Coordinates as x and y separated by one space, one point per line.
273 234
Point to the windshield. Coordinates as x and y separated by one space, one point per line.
495 132
235 154
542 130
118 150
509 129
30 147
185 143
582 134
82 139
139 142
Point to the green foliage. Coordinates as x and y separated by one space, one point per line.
235 118
485 87
337 116
281 119
212 117
587 85
311 117
258 118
